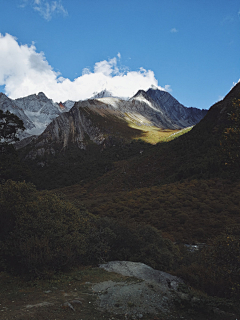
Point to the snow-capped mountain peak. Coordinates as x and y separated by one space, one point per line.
103 94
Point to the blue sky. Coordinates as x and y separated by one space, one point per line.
70 49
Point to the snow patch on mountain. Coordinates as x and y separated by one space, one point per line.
141 98
114 102
106 94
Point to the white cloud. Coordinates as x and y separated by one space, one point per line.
107 67
167 87
24 71
46 8
173 30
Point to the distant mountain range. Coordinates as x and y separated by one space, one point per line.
105 139
97 120
153 107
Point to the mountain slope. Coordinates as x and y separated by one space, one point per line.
108 119
196 155
152 108
11 106
36 111
179 113
40 110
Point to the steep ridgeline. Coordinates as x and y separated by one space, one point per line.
183 116
165 111
104 120
36 111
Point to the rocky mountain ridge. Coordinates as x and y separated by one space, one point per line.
179 113
36 111
103 119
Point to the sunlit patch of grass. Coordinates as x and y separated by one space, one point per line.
154 135
179 133
131 126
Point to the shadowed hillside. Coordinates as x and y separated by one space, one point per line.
197 155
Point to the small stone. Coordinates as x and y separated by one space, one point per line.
76 301
67 304
48 291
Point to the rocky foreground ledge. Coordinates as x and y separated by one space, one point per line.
148 291
152 292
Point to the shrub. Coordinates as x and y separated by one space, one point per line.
222 260
39 232
115 240
215 269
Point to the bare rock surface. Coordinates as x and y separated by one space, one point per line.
142 271
148 291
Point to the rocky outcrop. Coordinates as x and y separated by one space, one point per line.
7 104
36 111
150 290
40 110
73 127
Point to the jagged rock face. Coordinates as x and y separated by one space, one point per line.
183 116
36 111
68 104
7 104
72 127
11 106
40 110
145 105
